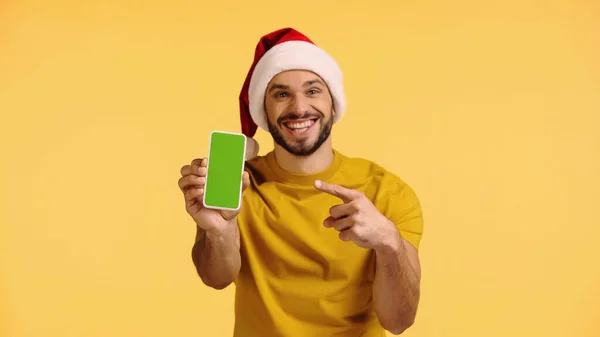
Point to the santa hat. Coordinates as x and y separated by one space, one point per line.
278 51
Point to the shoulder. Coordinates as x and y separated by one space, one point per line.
257 168
257 161
390 194
386 184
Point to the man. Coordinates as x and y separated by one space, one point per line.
324 244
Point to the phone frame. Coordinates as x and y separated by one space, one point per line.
208 170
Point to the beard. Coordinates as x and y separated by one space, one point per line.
301 148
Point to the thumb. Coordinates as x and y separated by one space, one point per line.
245 180
230 215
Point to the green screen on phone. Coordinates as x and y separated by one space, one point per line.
226 156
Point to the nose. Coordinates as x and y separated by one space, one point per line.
299 105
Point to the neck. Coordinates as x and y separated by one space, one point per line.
314 163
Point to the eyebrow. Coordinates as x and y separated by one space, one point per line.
311 82
306 84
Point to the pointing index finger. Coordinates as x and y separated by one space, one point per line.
341 192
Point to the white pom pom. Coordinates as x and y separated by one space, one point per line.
251 148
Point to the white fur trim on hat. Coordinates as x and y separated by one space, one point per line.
294 55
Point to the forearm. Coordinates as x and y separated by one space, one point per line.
396 288
216 257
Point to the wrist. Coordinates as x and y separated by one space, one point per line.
220 233
392 243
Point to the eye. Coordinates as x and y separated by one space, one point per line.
280 94
313 91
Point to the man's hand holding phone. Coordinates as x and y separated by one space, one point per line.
192 184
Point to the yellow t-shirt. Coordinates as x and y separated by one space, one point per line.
297 277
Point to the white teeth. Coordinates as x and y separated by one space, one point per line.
303 126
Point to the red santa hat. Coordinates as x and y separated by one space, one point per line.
276 52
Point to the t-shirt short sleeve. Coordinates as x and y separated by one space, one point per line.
401 205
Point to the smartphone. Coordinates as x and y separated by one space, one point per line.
225 167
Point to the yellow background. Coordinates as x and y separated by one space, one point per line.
488 109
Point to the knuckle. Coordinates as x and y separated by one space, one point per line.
182 182
183 169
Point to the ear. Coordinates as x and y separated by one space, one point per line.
252 148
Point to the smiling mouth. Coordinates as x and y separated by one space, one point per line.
300 126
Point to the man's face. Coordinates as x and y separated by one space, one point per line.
299 111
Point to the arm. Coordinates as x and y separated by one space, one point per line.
393 230
216 256
396 289
216 250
